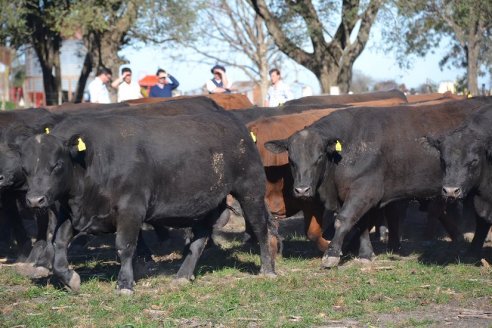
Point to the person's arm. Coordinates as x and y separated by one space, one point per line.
175 82
151 93
116 83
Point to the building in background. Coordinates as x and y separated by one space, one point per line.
72 55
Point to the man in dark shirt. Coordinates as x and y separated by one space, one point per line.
166 83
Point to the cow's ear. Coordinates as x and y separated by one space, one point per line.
334 146
433 141
77 148
277 146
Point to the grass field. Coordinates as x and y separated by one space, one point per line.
425 287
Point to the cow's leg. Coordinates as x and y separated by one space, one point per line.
313 218
11 211
395 213
366 251
256 214
193 250
449 219
483 211
127 232
63 236
359 201
39 247
482 228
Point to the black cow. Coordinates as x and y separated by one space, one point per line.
17 126
383 158
13 128
174 170
467 157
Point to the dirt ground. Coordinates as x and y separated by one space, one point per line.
472 313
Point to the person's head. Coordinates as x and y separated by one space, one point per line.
161 76
274 75
126 73
104 74
217 71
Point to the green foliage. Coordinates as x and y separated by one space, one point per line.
421 25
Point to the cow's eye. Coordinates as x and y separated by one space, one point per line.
57 166
473 162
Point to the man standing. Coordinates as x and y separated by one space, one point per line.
219 83
127 89
278 92
166 83
98 90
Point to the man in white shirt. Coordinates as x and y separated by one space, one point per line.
127 89
278 92
220 82
98 90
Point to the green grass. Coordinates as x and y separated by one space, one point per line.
227 292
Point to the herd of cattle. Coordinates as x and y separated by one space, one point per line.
90 169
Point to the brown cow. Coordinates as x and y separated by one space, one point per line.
348 99
227 101
433 97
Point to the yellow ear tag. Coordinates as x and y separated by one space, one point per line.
47 130
338 146
81 145
253 136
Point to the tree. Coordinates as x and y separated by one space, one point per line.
361 82
105 25
330 60
423 24
32 22
119 23
230 32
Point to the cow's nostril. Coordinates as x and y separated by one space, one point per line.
36 201
302 190
454 192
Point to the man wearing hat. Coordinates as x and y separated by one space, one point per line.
219 83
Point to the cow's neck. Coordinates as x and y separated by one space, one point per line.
485 185
327 189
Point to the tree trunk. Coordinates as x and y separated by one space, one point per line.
84 75
472 68
327 78
49 59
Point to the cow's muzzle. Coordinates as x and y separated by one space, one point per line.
452 192
303 192
36 201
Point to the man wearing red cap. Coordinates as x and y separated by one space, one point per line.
219 83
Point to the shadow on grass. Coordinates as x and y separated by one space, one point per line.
97 259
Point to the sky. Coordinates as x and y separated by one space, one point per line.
373 62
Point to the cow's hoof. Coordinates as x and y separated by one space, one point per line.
270 275
364 261
24 269
178 282
74 283
124 291
41 272
330 261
